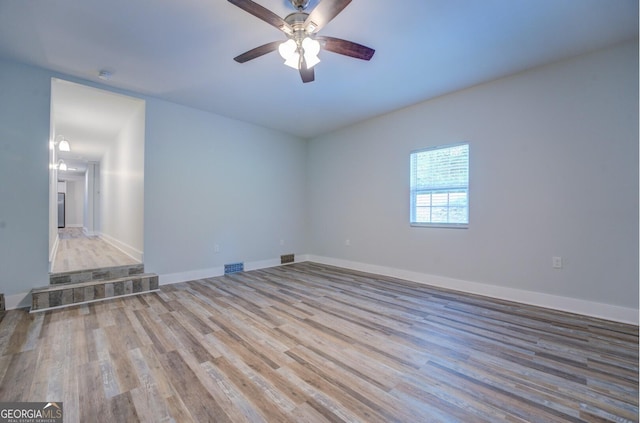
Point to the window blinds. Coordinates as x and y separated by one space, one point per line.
440 186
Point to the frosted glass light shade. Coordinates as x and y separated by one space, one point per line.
293 61
311 49
287 49
64 145
311 60
310 46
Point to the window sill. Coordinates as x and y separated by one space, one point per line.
440 225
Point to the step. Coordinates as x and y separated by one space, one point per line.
69 294
104 273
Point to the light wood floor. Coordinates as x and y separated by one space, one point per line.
310 343
77 251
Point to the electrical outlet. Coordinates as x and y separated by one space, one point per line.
556 262
347 242
216 248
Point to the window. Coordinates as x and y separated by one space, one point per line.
440 186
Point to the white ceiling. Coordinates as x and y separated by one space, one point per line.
90 119
182 51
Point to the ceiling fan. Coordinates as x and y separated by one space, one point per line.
300 51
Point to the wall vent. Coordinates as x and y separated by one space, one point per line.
233 268
287 258
2 306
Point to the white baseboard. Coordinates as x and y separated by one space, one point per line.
74 225
556 302
125 248
87 232
192 275
261 264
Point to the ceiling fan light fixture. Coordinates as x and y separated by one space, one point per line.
301 49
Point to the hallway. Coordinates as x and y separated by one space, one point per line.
77 251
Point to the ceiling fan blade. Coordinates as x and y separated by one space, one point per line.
323 13
347 48
307 75
257 52
263 13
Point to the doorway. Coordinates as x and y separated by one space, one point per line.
97 164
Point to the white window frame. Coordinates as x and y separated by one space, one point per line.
415 191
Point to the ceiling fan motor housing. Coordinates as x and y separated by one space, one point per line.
296 20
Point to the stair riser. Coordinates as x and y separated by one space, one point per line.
90 301
73 295
96 274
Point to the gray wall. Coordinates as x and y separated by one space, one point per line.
213 181
553 172
24 177
208 180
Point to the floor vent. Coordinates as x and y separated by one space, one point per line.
287 258
233 268
2 306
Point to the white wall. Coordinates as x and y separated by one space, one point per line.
53 191
122 187
74 203
91 204
553 172
213 181
24 200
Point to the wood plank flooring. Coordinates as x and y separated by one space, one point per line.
312 343
77 251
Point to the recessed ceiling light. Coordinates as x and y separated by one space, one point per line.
105 75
